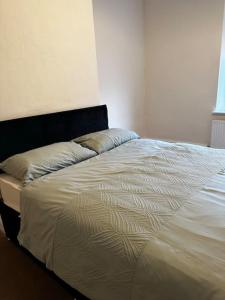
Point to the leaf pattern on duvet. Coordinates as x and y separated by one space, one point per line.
109 209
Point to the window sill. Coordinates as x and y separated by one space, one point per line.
218 113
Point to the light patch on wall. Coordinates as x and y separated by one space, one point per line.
47 57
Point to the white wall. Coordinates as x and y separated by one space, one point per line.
119 29
47 56
183 40
48 61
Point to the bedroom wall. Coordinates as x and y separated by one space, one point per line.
119 29
183 40
47 56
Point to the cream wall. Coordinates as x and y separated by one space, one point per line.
47 56
183 40
119 29
158 61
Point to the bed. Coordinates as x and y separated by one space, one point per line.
145 220
23 134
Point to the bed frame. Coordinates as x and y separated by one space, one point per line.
20 135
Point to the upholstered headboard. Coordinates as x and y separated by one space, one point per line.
24 134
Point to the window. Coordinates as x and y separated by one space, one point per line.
220 104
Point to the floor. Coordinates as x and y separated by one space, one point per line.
23 278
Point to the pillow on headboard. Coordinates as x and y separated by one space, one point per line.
35 163
105 140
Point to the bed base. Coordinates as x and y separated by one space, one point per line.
11 224
11 221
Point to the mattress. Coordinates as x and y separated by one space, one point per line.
10 190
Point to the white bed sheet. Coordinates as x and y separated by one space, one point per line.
10 190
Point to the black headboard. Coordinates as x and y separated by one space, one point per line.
24 134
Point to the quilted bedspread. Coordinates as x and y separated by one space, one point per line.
144 221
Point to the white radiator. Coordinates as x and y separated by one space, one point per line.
218 134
